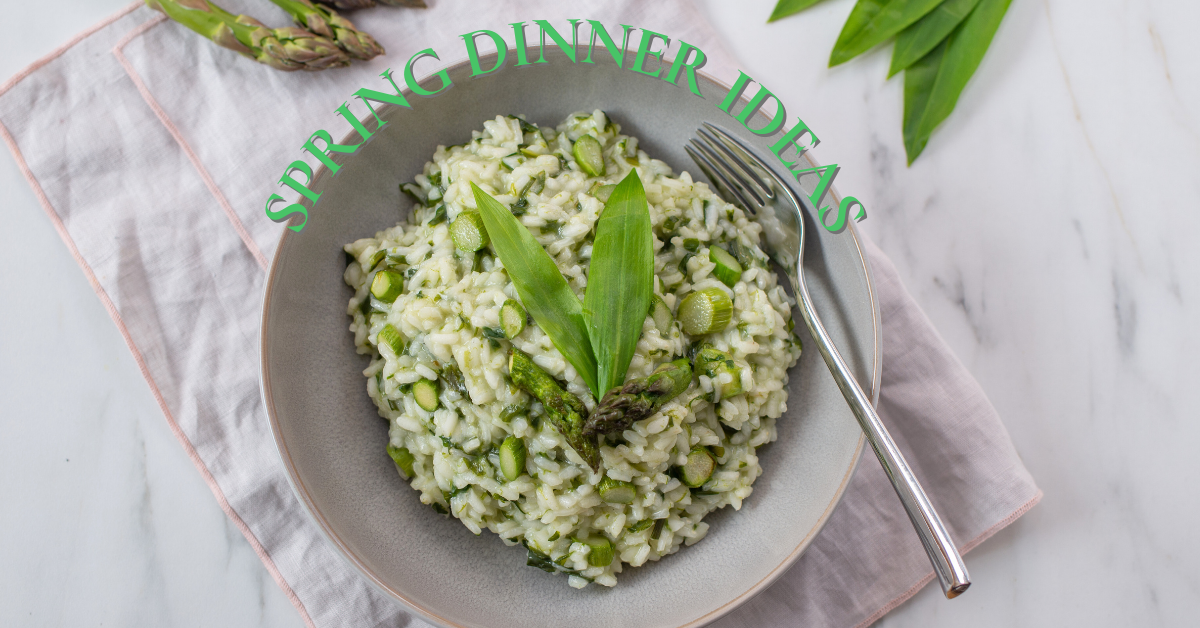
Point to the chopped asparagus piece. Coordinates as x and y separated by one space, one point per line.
602 551
588 155
426 393
705 311
712 362
698 468
639 398
563 409
617 491
603 192
391 337
728 270
468 232
691 244
512 457
403 459
661 314
387 285
512 318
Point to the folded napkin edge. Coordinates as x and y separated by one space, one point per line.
113 313
966 548
58 52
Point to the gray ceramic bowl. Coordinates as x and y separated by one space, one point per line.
332 441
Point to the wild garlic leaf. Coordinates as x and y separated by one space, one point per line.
789 7
542 288
873 22
620 281
926 33
933 84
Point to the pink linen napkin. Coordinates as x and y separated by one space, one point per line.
151 151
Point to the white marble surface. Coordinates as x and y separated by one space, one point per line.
1047 231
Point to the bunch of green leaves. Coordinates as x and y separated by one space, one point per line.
598 335
938 45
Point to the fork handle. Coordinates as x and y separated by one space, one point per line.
947 561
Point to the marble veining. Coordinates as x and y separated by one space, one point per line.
1047 231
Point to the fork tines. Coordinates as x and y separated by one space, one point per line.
729 167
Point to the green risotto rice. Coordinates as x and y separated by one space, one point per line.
438 373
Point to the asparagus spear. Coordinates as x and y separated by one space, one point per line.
326 23
564 410
639 398
286 49
347 5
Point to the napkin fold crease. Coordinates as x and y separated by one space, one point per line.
156 194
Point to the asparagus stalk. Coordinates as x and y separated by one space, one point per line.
347 5
639 398
564 410
326 23
286 48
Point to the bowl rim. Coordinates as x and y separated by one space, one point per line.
347 554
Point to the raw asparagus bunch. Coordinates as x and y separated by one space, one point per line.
288 48
563 409
347 5
326 23
639 398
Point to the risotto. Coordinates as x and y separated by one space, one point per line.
439 369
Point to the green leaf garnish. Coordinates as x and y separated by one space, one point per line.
873 22
788 7
543 290
933 84
925 34
619 281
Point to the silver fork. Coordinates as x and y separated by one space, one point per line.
740 177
